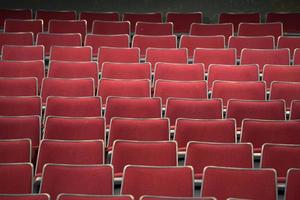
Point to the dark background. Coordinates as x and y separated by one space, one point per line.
210 8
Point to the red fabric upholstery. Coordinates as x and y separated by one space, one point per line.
242 109
265 56
85 152
24 196
204 130
73 106
126 70
183 20
15 151
111 27
164 181
286 73
199 155
82 179
292 185
288 19
232 73
133 18
21 127
280 157
159 153
179 72
244 183
191 42
118 54
14 14
20 106
123 88
19 38
93 197
58 39
132 107
75 128
90 16
209 56
181 89
225 29
154 28
287 91
71 53
97 41
251 42
259 132
20 86
193 108
169 55
47 15
246 90
22 52
147 129
295 109
154 41
67 87
16 178
237 18
24 25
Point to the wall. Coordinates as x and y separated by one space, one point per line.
210 8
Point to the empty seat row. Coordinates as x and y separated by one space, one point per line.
151 153
257 128
146 180
181 20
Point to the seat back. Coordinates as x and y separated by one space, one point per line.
246 90
193 108
118 54
123 88
155 41
111 27
191 42
183 20
71 53
126 70
251 42
59 179
47 15
280 157
67 87
74 128
23 52
16 178
181 89
20 105
22 69
20 86
58 39
19 38
232 73
292 184
245 183
73 106
90 17
237 17
288 19
132 107
165 181
204 130
96 41
209 56
133 18
15 150
85 152
265 56
138 129
154 28
255 109
225 29
259 132
14 14
24 25
199 155
150 153
21 127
